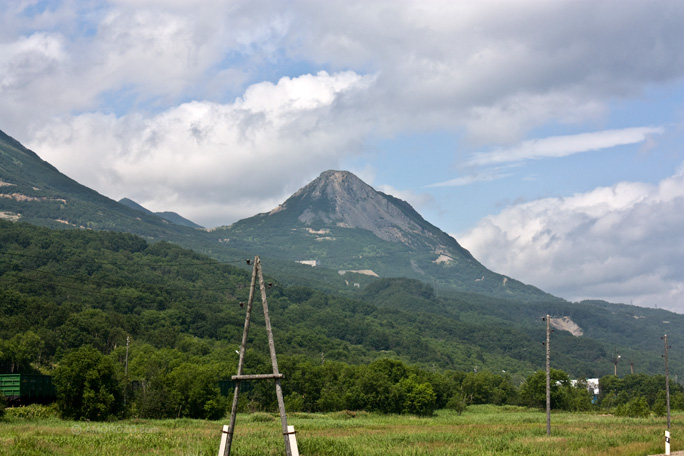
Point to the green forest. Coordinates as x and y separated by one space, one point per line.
129 328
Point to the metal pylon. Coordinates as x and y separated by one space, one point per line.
277 376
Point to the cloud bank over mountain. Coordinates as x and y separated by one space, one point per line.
621 243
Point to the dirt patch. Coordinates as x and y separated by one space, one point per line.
566 324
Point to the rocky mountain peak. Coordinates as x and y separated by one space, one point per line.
341 199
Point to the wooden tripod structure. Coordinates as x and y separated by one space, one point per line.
277 376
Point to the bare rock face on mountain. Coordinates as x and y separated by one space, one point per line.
339 198
339 222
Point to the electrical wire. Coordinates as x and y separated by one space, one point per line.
158 287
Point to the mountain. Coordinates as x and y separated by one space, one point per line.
341 223
353 233
34 191
167 215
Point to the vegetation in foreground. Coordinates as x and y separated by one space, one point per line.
481 430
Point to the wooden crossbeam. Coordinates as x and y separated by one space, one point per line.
288 435
256 377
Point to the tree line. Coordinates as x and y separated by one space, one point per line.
167 383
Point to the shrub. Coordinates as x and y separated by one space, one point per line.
660 404
636 408
457 403
261 417
33 412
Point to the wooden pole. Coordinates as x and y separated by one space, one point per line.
241 362
288 434
274 359
548 376
128 340
667 384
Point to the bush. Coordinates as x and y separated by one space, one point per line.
457 403
33 412
2 405
660 404
636 408
261 417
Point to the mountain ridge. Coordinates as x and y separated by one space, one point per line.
337 221
170 216
342 223
35 191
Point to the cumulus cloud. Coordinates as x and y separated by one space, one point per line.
214 163
497 69
621 243
491 69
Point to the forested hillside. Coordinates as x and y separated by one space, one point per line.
70 288
69 300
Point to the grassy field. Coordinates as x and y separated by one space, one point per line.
480 430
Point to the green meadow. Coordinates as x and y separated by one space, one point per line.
480 430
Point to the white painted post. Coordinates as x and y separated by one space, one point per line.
667 442
224 440
293 440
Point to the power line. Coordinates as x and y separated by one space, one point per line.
111 284
112 263
102 282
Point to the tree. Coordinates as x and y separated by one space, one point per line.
23 349
88 386
484 387
194 391
417 398
579 399
533 391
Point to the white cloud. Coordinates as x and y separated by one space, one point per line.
561 146
496 69
213 163
621 243
491 69
486 175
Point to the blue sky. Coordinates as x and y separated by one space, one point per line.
546 136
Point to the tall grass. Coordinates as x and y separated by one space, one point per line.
481 430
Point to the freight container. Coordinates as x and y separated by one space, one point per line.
27 389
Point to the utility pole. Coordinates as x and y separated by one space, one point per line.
667 395
128 338
667 382
127 342
631 366
228 430
615 361
548 375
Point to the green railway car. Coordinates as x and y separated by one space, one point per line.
27 389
